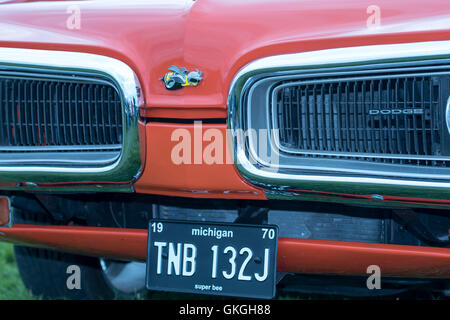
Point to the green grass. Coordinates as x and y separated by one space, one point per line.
11 286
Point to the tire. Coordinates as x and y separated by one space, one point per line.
45 272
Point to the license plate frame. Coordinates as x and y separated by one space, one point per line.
204 236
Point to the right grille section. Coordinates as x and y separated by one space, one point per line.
392 119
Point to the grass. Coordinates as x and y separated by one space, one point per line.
11 286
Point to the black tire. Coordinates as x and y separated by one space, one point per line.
44 272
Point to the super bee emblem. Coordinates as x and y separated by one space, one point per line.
178 78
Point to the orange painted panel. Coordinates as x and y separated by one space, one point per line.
4 211
195 179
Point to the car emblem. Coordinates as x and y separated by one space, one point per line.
178 78
395 111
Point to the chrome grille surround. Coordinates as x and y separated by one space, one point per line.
81 166
297 176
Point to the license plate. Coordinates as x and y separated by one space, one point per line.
212 258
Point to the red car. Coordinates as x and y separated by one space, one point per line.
226 147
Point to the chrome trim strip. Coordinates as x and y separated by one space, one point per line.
280 184
348 56
66 159
109 147
115 176
447 114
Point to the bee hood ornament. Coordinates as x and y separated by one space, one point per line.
178 78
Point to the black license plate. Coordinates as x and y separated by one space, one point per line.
212 258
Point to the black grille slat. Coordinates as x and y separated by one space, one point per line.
26 105
346 119
78 115
406 119
291 128
44 108
363 116
2 111
392 146
116 116
85 115
101 133
432 114
394 118
13 112
353 106
424 136
51 115
37 113
299 117
58 106
7 110
18 103
63 114
108 119
321 110
339 118
331 118
91 123
305 116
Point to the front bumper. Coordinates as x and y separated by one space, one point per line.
294 255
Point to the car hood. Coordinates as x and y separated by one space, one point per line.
216 36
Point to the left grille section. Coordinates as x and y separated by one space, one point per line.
68 121
59 115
